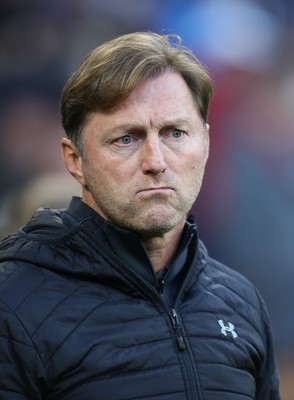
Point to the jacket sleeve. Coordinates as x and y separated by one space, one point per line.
267 387
21 369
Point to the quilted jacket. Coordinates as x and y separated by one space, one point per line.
84 317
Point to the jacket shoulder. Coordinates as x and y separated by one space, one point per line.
229 277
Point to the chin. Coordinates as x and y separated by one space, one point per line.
156 228
153 231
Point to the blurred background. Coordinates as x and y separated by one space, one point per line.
245 213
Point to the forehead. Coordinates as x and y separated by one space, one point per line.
156 102
167 88
166 96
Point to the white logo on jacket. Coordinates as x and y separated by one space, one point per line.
225 329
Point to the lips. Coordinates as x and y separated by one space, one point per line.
158 189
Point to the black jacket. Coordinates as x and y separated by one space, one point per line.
83 316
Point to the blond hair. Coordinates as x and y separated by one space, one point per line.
113 70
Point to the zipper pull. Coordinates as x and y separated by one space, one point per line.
176 325
161 286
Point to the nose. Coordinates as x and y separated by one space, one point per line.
152 157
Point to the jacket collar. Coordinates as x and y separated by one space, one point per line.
127 247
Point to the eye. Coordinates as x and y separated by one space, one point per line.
127 139
176 133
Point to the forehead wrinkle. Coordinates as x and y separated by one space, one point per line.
169 122
141 126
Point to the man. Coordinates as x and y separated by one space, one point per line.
116 297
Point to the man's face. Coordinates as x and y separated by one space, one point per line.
144 159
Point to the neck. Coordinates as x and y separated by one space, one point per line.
161 249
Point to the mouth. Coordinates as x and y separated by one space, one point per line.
156 190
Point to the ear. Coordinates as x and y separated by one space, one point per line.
206 133
72 160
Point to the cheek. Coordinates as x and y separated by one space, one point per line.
97 165
195 159
194 169
109 176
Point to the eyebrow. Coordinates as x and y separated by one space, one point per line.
176 121
140 127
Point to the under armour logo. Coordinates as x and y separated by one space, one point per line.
227 328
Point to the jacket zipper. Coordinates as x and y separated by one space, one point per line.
176 325
186 354
189 366
184 348
165 276
187 357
